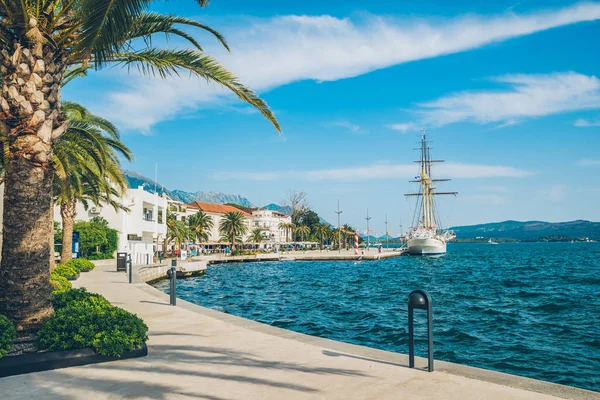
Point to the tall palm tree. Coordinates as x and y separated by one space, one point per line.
288 227
303 230
233 227
256 236
87 168
323 233
39 41
177 231
200 225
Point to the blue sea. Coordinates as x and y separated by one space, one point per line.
530 309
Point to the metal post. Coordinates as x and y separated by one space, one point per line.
368 231
338 212
173 286
130 269
420 299
387 236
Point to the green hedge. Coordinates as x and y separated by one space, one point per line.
59 283
85 319
7 335
81 264
66 271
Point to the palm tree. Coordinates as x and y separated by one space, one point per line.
200 225
39 41
288 227
233 227
303 230
177 231
323 233
256 236
87 168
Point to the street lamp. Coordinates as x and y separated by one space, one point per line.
387 236
368 231
338 212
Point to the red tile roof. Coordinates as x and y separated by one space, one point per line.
216 208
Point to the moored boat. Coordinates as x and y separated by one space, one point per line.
427 237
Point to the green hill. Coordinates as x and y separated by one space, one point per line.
529 230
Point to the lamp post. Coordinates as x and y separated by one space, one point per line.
387 236
368 231
338 212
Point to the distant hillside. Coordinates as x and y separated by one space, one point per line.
529 230
136 180
287 210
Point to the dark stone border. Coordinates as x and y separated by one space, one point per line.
37 362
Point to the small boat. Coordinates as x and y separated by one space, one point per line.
287 259
492 242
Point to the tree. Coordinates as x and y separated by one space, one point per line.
303 230
177 231
299 205
87 167
256 236
312 220
200 225
323 231
233 227
39 40
287 227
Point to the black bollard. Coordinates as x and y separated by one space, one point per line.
173 288
420 299
130 269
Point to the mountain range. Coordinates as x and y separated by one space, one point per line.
136 180
529 230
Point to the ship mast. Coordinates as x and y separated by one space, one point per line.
427 214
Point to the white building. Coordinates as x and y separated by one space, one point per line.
217 212
141 229
269 222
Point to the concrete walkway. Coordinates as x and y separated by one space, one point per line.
197 353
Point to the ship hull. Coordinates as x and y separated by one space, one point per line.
425 246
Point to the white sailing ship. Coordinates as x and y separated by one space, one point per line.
426 237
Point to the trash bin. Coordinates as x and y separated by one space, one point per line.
121 261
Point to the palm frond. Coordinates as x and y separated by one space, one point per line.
171 62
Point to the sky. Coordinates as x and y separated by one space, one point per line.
508 91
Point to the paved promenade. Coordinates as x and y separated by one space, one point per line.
197 353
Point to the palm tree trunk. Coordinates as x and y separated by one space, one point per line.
30 118
67 213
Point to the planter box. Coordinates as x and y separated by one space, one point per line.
73 278
36 362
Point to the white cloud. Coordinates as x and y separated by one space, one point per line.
378 171
403 127
584 123
528 96
587 162
347 125
281 50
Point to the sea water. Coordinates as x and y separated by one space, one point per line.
530 309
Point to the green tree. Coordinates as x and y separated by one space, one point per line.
200 225
233 228
177 231
303 230
312 220
256 236
287 227
87 167
91 235
39 41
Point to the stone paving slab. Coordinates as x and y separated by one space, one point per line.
198 353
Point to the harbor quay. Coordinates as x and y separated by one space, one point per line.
196 352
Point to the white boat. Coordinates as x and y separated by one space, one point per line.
427 237
492 242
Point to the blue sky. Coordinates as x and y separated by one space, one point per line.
508 90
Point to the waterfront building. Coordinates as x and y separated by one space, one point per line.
269 222
216 212
141 229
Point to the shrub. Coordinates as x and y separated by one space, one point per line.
7 335
59 283
89 320
63 299
81 264
66 271
100 256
